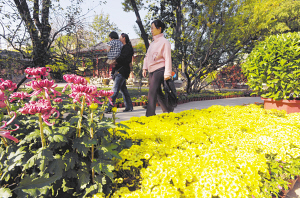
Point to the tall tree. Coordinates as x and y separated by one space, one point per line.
208 34
135 6
34 16
101 27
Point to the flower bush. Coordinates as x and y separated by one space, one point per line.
60 146
241 151
275 63
232 75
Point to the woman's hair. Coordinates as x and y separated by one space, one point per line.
158 24
113 35
126 38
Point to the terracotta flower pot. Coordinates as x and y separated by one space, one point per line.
284 192
290 106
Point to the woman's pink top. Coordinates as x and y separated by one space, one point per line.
159 55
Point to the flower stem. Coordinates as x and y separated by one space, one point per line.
7 107
4 141
80 119
41 130
92 152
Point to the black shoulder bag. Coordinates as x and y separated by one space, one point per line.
170 93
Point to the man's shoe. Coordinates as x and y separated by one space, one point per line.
126 110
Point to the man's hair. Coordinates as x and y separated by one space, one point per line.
113 35
159 24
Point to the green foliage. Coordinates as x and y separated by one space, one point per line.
64 166
208 35
101 27
275 63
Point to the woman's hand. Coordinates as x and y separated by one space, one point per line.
144 73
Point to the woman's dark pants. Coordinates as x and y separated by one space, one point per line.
156 79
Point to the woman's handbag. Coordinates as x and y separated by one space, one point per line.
170 93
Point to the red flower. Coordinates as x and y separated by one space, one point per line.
42 106
39 86
90 93
107 94
72 78
37 72
58 100
2 99
19 96
7 85
6 133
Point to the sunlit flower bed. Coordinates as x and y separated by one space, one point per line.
242 151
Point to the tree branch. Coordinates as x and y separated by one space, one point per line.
36 14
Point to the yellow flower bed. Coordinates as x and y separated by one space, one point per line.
219 151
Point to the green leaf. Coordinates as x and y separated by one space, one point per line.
79 145
64 187
74 120
109 149
57 166
103 166
64 130
108 168
5 193
70 159
32 136
59 138
32 183
91 189
46 129
30 162
83 179
89 142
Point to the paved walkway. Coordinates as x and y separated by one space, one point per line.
139 111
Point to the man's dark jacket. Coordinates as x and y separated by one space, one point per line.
124 60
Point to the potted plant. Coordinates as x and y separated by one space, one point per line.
273 71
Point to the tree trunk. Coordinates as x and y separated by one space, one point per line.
39 31
139 22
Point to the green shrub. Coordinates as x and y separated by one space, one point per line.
276 63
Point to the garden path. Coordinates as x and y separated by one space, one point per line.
139 111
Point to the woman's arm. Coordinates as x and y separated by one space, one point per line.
168 60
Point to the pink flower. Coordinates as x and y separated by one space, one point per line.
6 133
72 78
107 94
19 96
58 100
7 85
280 166
90 93
42 106
37 72
39 86
103 93
2 99
279 187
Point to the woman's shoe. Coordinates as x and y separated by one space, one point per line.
126 110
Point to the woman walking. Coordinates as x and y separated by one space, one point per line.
122 71
159 65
